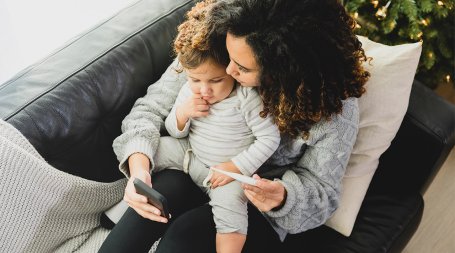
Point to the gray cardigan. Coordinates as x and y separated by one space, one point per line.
311 170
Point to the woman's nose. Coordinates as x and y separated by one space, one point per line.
231 69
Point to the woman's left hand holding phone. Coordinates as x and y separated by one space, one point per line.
139 165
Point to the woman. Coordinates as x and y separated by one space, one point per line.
306 62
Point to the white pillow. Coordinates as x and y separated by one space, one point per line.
382 109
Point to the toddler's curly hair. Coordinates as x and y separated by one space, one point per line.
192 44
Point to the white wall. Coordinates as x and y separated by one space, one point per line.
31 29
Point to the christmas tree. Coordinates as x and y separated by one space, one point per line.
394 22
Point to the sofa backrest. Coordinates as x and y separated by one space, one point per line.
71 104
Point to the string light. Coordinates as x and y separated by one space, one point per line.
424 22
375 3
447 78
382 12
356 15
440 3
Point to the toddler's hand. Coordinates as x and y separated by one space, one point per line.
194 107
219 179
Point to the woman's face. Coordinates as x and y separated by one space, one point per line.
211 81
243 66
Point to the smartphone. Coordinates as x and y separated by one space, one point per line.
154 198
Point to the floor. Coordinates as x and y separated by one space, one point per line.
436 232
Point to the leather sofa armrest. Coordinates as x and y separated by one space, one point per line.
434 115
422 144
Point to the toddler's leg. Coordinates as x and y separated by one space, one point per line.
229 207
170 153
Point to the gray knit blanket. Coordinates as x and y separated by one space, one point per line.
43 209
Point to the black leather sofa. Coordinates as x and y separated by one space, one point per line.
71 104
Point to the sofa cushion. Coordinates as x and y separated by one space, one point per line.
382 109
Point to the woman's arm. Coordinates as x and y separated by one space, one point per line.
141 127
312 186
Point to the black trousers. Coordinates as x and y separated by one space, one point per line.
191 228
195 231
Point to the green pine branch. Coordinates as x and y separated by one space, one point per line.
407 21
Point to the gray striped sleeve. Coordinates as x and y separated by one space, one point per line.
267 136
171 120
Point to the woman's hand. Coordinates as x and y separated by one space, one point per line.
266 195
139 169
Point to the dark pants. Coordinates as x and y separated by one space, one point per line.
187 231
195 231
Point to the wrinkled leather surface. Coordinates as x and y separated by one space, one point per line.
381 226
70 106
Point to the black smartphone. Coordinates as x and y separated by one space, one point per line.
155 198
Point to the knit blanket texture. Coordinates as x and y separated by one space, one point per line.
43 209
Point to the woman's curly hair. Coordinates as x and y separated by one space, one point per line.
309 58
192 45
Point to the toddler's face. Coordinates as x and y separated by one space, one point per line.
211 81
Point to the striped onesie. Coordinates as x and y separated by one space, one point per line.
233 131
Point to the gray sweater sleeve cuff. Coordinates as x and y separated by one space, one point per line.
137 145
289 204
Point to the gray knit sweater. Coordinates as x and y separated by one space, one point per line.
233 131
311 170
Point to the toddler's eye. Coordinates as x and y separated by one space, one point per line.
217 80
